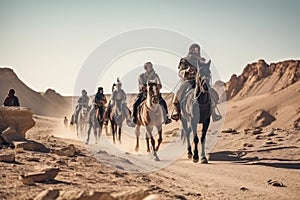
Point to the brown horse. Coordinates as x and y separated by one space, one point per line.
150 116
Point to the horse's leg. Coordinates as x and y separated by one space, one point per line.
159 130
137 134
194 125
149 132
203 137
148 143
113 129
96 134
185 133
120 130
88 133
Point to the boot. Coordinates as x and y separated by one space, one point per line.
176 111
167 119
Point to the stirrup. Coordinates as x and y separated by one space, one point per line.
216 118
175 117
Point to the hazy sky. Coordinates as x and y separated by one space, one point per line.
47 42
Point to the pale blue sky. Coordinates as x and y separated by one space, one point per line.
46 42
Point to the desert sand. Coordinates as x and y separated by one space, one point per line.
256 156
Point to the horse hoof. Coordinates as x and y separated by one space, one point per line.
148 150
195 158
155 158
190 155
137 149
204 160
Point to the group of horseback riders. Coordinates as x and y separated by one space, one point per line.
187 73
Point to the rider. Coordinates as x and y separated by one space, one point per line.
118 95
149 75
99 102
188 74
83 101
11 99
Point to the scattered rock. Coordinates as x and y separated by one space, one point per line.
152 197
275 183
33 159
48 174
30 145
258 137
253 131
67 151
181 197
244 189
7 156
10 134
51 194
132 195
271 134
18 118
261 118
84 195
270 142
247 145
229 130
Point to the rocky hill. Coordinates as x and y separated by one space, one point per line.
261 78
50 103
264 95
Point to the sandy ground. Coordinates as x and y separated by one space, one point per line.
240 166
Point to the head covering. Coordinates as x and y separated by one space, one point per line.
11 92
84 92
192 49
194 58
100 89
118 82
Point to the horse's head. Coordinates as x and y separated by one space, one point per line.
204 76
153 91
85 110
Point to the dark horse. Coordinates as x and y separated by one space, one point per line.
196 109
95 122
117 115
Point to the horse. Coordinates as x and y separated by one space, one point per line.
95 122
195 109
150 116
116 117
81 125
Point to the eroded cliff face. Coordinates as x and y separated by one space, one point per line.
18 118
260 78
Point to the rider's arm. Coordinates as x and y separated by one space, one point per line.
140 82
124 97
159 82
182 69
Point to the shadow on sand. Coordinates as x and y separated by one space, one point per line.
242 158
